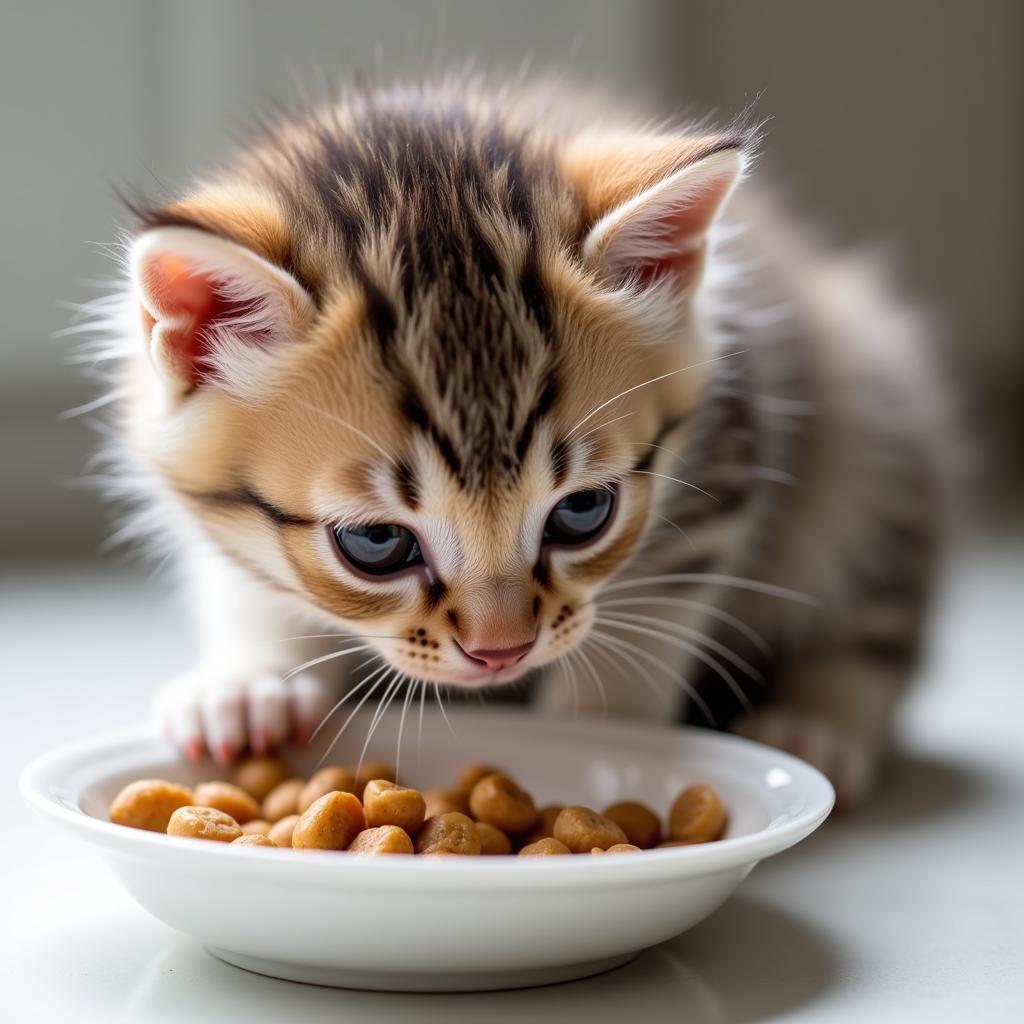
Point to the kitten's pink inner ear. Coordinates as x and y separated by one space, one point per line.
684 230
181 307
181 304
208 303
659 230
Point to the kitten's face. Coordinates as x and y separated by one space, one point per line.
450 464
450 539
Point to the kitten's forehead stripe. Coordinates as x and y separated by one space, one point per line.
561 457
414 409
407 485
441 220
544 403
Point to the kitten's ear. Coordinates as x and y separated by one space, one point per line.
206 303
649 201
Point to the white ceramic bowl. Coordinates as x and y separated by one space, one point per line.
449 924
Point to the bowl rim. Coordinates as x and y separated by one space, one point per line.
43 773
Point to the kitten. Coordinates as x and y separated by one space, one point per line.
473 384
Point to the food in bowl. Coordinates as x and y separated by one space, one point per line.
363 810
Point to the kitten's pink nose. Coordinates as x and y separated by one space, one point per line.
503 657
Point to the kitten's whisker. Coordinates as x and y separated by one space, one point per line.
675 479
363 664
355 430
606 649
673 674
369 693
654 380
675 526
444 714
606 646
717 579
324 657
677 627
382 705
419 735
597 652
574 684
351 692
684 645
661 447
409 691
699 606
607 423
588 667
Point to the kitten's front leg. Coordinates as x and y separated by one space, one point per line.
240 694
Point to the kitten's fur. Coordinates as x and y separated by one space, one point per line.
448 307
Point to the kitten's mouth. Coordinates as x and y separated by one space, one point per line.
491 678
469 678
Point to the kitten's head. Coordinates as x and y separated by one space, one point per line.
402 365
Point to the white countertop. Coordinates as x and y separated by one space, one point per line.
910 910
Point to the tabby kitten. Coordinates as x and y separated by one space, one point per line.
473 384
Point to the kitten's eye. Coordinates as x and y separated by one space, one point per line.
578 517
379 549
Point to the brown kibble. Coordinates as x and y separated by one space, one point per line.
498 801
493 842
444 801
281 831
696 816
544 827
453 832
329 823
581 829
254 839
470 776
548 847
328 812
370 770
382 839
283 799
203 823
331 779
259 775
256 827
637 820
386 803
149 803
226 797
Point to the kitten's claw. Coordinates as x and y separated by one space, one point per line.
226 713
194 749
850 761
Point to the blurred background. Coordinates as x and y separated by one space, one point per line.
899 124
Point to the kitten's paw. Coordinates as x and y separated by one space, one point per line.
226 713
850 761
